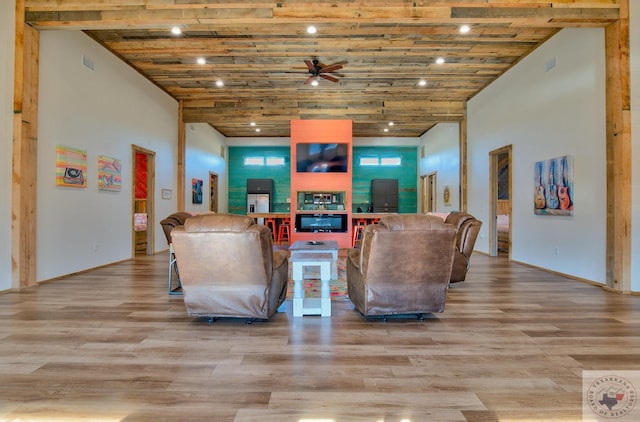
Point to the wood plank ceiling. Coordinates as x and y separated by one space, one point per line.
257 49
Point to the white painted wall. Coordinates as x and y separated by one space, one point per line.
634 23
205 152
104 112
546 115
7 41
441 145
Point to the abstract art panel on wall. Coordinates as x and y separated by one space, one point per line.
109 173
71 167
196 191
553 186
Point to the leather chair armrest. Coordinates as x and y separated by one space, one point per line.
279 258
353 255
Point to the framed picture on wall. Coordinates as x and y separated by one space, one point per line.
71 167
196 191
109 173
553 186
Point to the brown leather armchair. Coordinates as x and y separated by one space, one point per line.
228 267
174 220
402 267
468 228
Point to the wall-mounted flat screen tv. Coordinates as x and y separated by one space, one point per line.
322 158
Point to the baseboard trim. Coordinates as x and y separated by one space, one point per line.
51 280
546 270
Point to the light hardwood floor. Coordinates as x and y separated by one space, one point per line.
111 345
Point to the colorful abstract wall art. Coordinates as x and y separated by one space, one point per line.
109 173
71 167
196 191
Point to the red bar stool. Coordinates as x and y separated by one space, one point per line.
271 223
284 230
357 234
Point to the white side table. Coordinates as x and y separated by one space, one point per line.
311 306
326 246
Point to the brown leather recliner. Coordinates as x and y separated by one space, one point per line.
174 220
403 266
168 224
228 267
468 228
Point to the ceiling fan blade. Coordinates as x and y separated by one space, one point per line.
310 79
309 65
329 78
332 68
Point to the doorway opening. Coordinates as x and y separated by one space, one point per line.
142 200
428 188
213 192
500 201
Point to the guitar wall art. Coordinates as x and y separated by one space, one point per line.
553 186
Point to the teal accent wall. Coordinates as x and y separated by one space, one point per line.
407 175
239 173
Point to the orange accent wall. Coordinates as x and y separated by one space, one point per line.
322 131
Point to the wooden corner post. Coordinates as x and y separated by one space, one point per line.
618 142
25 153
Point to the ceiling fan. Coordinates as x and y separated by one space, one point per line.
317 69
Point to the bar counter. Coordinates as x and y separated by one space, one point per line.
269 214
371 215
354 216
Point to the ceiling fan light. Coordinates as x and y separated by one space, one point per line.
314 82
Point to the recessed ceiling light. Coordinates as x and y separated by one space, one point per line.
176 30
386 129
311 29
440 60
252 123
201 60
257 129
391 123
219 83
314 82
422 82
464 29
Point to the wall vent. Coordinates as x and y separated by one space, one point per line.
550 64
88 63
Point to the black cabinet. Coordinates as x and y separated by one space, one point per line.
259 185
384 195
